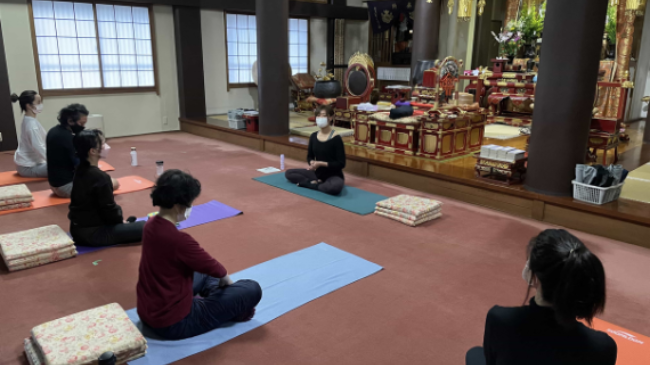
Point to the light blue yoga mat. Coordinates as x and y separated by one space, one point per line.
351 199
287 282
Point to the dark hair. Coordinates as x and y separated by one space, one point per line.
175 187
26 97
572 277
327 108
374 97
85 140
72 112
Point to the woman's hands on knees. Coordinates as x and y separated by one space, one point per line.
225 281
116 184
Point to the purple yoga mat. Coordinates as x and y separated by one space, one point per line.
201 214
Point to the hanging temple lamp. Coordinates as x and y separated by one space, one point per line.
465 8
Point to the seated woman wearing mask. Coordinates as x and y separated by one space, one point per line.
61 157
325 156
569 282
95 219
30 157
182 290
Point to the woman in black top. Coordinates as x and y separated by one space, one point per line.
95 219
570 285
325 155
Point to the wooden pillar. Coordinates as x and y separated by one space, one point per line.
646 131
9 139
426 30
273 64
565 93
189 60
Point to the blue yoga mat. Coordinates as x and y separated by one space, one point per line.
287 282
201 214
351 199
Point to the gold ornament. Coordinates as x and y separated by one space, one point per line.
465 10
361 59
481 7
450 5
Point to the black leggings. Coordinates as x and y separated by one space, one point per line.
331 186
108 235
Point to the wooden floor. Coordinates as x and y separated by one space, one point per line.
624 220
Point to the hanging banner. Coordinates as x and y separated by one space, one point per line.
382 15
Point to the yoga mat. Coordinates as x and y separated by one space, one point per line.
351 199
12 177
308 131
287 282
633 348
201 214
46 198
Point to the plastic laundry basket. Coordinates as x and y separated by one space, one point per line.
594 194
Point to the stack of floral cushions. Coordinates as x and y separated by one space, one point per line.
15 196
410 210
80 339
35 247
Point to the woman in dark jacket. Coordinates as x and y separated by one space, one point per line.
95 219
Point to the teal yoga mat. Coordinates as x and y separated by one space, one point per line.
351 199
287 282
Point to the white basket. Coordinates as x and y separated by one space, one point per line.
237 124
594 194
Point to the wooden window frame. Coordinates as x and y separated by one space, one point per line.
252 84
101 90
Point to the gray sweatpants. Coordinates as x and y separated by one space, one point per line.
64 191
39 170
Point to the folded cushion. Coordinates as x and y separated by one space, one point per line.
79 339
15 206
33 242
42 259
409 222
33 355
412 205
406 215
15 194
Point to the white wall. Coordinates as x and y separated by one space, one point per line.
317 43
218 100
124 114
356 33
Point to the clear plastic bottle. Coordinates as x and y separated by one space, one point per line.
159 168
134 157
282 162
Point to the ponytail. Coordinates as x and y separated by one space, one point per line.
27 97
572 278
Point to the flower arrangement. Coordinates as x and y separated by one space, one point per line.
328 74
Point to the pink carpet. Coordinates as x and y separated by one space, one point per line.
427 307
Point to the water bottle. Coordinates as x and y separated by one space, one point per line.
107 358
134 157
282 162
159 168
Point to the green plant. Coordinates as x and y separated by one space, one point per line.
610 26
532 23
510 48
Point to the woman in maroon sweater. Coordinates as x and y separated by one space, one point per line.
182 291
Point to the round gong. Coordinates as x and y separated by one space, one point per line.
357 82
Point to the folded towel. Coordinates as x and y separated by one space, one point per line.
413 205
90 333
15 194
408 221
407 215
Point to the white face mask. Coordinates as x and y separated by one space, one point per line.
184 216
322 122
38 109
526 274
105 149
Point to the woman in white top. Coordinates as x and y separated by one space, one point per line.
30 157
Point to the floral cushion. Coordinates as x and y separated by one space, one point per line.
412 205
15 206
409 222
15 194
313 99
33 242
41 259
407 215
79 339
